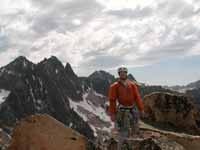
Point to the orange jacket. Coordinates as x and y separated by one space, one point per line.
126 95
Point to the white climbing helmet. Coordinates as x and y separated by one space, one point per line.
124 69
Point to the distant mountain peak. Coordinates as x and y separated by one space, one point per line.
69 70
100 81
130 77
183 89
53 61
21 60
99 73
54 58
195 84
18 65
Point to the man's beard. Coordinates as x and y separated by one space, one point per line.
123 78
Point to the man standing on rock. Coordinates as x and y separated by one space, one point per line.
123 94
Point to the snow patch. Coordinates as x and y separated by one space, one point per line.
98 94
2 70
74 106
56 71
97 111
71 124
41 84
33 77
3 95
26 80
10 72
39 101
24 63
83 87
32 95
78 92
183 90
94 130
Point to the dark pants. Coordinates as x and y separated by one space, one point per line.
127 124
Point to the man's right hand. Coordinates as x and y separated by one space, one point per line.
112 117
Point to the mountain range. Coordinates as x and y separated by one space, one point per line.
49 87
192 89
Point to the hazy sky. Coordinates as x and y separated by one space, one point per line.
157 39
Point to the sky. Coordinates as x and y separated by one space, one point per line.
158 40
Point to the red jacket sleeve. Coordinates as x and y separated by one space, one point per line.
112 99
138 99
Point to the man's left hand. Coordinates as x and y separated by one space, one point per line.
142 114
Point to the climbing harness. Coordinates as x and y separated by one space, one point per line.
127 119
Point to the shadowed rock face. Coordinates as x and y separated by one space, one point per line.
12 75
178 111
195 93
42 88
42 132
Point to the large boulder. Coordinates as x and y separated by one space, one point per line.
175 110
42 132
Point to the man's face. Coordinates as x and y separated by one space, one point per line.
123 75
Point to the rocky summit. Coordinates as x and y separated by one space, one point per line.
42 132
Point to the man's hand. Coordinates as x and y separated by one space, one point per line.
142 114
112 117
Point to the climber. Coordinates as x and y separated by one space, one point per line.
123 94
